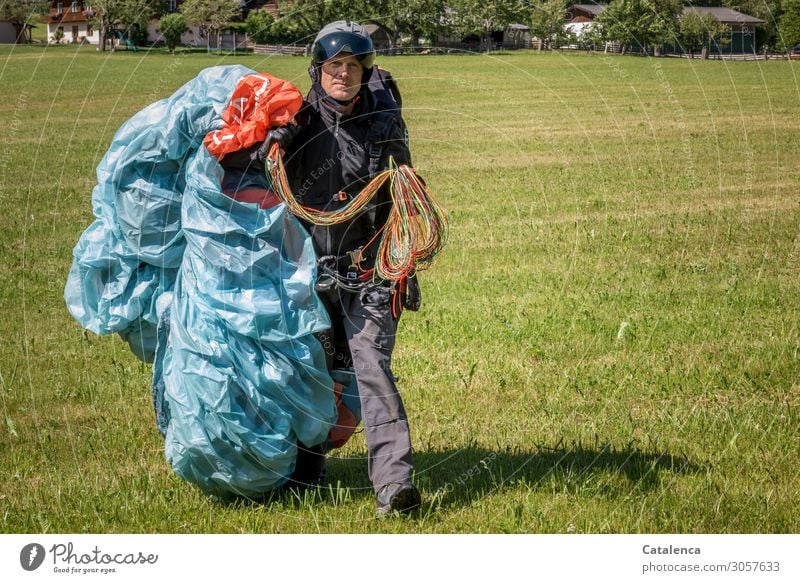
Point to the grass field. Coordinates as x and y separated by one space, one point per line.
609 343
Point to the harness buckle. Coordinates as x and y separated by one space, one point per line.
355 259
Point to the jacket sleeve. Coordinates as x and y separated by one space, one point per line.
397 143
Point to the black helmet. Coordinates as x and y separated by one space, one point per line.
343 36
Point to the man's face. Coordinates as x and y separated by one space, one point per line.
341 76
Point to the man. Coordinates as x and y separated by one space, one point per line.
344 136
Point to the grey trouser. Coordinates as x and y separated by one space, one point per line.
363 325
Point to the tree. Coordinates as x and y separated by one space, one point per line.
210 15
283 32
547 22
259 26
415 18
22 11
641 23
619 22
104 13
698 31
664 22
262 28
484 16
133 17
302 19
789 32
130 15
591 36
172 26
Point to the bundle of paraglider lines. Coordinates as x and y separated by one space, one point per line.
415 232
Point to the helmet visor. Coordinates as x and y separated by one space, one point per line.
335 43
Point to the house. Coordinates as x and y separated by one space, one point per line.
14 32
517 36
193 36
583 13
514 36
270 6
381 39
71 22
742 27
580 18
227 40
8 32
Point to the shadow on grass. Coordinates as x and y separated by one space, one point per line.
460 476
464 475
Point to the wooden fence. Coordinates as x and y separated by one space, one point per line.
280 50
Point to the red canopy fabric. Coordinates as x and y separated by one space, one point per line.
258 103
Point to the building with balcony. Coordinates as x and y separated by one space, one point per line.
70 22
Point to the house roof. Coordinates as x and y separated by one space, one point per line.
590 8
724 15
18 22
372 28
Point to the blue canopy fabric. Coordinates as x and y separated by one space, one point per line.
239 376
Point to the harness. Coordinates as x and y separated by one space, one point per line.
405 292
343 272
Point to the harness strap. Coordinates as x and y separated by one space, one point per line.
378 135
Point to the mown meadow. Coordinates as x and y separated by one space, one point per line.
609 342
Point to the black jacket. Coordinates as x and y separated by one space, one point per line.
331 155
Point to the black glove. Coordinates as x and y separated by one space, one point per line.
282 135
412 298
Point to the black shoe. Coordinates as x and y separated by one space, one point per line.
310 468
397 498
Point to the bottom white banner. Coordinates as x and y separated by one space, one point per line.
389 558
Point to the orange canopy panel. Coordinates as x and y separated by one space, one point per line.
258 103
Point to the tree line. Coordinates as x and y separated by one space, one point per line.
653 23
641 23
